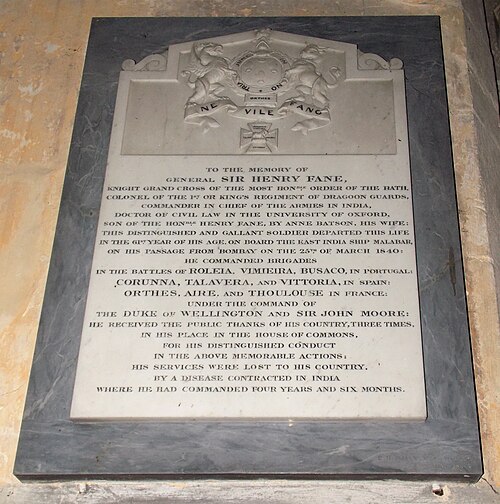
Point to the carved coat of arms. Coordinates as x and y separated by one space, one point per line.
269 86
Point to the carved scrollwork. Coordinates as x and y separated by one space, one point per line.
154 62
370 61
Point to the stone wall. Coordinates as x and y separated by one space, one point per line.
42 48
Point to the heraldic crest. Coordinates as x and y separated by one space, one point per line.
260 86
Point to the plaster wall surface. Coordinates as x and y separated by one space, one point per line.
42 48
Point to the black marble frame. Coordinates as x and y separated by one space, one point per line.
446 445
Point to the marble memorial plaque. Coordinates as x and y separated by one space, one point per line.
257 267
255 253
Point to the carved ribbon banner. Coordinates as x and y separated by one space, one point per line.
316 117
200 114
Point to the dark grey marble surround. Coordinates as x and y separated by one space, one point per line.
445 446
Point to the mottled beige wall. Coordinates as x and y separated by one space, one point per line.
42 47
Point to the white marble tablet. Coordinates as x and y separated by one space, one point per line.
255 254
